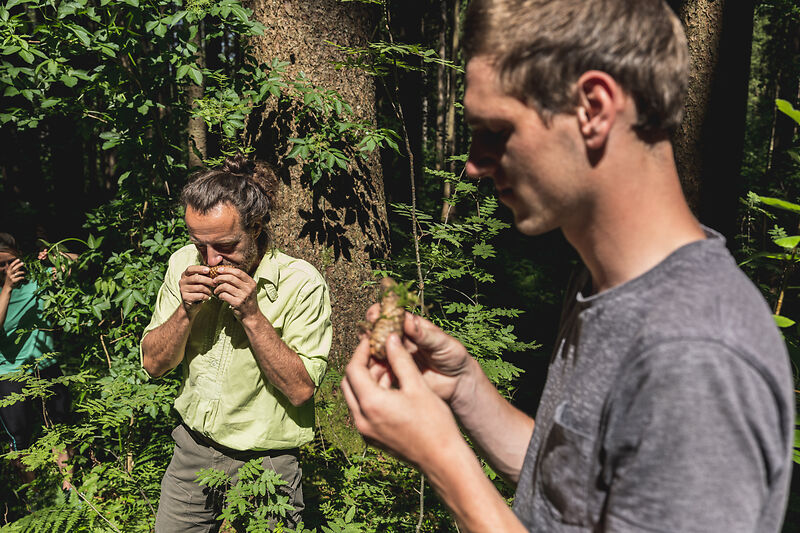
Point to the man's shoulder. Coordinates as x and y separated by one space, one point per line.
703 300
295 268
184 256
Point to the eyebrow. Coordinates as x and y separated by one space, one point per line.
229 242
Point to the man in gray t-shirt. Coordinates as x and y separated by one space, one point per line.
669 401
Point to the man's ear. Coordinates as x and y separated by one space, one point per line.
600 100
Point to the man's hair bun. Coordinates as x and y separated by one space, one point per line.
250 186
238 164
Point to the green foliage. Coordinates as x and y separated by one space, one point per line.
773 264
122 71
455 256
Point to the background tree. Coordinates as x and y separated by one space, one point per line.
338 223
710 140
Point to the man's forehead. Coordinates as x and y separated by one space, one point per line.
222 219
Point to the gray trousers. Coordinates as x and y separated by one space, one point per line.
187 507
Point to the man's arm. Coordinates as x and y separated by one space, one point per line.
163 347
281 365
14 275
414 423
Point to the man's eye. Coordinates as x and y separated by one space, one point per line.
491 136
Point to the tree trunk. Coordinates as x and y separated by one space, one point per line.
338 225
786 42
710 140
197 127
442 78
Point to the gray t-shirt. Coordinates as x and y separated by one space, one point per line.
668 407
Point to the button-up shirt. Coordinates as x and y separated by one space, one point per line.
225 396
23 316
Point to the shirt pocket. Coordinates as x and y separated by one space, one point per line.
564 471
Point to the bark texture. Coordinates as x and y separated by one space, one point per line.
709 142
338 225
196 127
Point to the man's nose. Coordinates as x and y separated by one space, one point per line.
213 257
480 163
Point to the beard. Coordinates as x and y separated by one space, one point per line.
250 257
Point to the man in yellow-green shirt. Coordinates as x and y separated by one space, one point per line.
252 326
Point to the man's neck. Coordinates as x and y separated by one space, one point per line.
639 217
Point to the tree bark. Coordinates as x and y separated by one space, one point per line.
710 140
196 127
339 225
442 79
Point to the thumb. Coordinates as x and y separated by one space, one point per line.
402 363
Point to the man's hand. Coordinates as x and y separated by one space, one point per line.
408 420
196 287
14 274
442 360
238 289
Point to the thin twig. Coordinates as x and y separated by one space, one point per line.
120 338
414 225
108 357
421 501
398 108
95 510
136 483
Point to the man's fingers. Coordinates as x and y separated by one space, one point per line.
352 404
374 312
233 272
196 269
401 363
426 335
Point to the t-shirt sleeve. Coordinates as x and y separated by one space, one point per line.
167 301
694 441
308 328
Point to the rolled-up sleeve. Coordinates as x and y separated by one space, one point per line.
308 328
168 298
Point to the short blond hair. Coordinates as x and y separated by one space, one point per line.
541 47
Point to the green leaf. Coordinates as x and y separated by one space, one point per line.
128 304
786 108
8 50
84 36
239 12
789 243
483 250
295 150
69 81
196 75
26 56
780 204
782 321
143 109
351 513
182 71
50 102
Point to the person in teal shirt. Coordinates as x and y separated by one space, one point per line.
20 316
